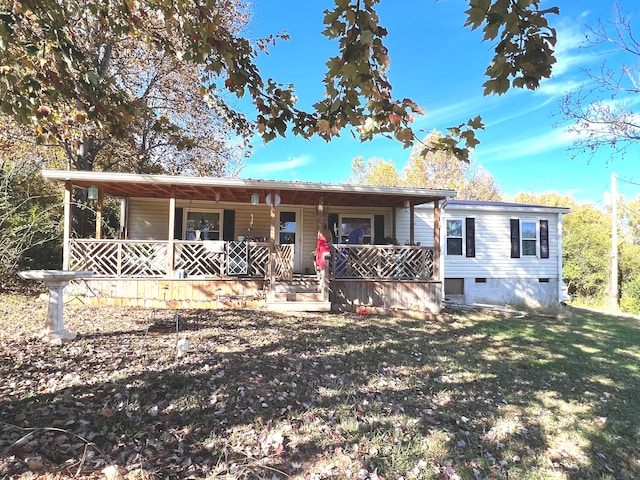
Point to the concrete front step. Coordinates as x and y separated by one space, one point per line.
298 297
297 285
299 306
296 289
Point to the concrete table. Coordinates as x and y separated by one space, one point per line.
55 280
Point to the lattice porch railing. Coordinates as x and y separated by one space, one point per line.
382 262
143 258
119 258
284 261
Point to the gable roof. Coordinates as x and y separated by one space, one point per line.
240 190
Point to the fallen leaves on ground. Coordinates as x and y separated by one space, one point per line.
252 394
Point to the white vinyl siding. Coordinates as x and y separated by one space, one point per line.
492 242
493 250
149 218
423 225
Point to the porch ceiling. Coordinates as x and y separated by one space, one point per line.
240 190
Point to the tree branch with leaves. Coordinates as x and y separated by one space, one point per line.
46 69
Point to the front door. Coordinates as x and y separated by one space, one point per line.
291 233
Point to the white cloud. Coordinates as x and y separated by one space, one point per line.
530 146
263 169
569 50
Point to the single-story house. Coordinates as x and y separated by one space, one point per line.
495 252
213 242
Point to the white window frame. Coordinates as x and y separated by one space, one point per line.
462 236
536 224
202 210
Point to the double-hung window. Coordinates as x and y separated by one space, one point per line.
454 237
529 238
461 237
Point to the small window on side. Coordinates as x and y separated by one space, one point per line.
481 280
454 237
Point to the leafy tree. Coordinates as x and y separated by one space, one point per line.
629 255
374 171
586 251
601 112
549 199
630 220
56 56
171 119
629 270
30 216
433 169
184 135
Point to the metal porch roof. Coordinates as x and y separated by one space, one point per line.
240 190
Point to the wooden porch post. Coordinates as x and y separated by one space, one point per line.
272 244
436 240
172 224
124 217
99 214
66 241
320 214
412 226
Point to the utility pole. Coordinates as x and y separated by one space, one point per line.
613 295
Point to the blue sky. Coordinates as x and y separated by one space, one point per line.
440 65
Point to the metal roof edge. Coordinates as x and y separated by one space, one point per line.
502 206
76 175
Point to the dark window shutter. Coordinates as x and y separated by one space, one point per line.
544 238
177 227
378 229
332 223
470 231
229 226
515 238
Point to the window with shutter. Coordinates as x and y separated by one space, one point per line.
229 225
177 227
454 237
470 233
515 238
544 238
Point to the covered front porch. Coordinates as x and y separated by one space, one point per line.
256 247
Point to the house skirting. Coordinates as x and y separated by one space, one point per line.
387 296
169 293
409 298
529 292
